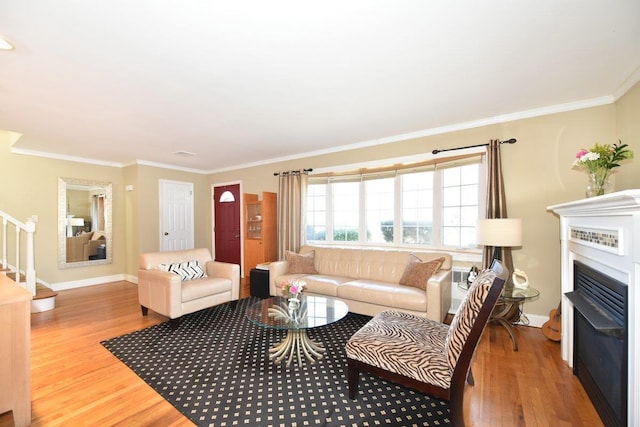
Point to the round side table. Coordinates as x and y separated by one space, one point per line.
511 299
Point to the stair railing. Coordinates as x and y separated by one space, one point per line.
28 227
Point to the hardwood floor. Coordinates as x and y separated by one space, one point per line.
76 381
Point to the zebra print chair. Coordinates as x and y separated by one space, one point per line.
425 355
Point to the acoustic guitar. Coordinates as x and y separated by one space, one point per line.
551 328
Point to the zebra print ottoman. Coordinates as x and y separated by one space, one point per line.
405 344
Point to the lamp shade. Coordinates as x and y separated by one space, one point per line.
76 222
73 222
499 232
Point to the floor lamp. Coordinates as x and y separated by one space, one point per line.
499 233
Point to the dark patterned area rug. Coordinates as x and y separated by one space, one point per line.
215 370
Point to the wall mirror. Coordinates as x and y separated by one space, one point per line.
84 222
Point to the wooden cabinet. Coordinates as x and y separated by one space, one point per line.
260 222
15 351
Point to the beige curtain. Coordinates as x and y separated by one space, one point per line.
291 197
97 214
496 201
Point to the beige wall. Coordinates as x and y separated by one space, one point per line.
132 218
628 130
537 173
143 203
30 187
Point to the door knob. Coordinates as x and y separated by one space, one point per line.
166 234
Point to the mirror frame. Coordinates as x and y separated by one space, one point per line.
62 216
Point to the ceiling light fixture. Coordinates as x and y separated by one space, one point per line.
184 153
5 44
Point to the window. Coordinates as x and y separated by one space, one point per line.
346 208
429 205
417 208
316 216
379 212
460 205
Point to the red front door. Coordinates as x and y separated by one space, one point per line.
227 223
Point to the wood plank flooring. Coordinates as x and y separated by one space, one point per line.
75 381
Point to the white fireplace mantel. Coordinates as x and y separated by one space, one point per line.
604 233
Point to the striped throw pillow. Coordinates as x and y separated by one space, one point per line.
186 270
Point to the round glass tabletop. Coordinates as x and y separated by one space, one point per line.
514 294
510 293
309 312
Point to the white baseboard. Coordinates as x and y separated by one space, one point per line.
44 304
61 286
536 320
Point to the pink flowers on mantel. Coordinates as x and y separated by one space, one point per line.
598 163
602 157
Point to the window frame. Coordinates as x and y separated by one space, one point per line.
413 165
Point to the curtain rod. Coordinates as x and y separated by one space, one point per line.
285 173
508 141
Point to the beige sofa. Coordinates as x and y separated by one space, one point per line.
367 280
84 245
168 294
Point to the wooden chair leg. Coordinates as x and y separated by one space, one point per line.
145 310
470 380
353 374
456 406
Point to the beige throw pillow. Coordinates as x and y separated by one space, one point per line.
301 263
418 272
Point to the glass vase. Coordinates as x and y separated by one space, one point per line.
599 183
294 303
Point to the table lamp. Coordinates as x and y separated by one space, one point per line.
499 233
73 222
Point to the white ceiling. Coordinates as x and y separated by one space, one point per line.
246 82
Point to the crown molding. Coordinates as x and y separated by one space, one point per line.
521 115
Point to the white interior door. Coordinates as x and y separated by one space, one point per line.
176 215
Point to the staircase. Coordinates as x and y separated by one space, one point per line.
19 236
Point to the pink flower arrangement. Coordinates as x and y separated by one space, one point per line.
602 157
293 288
598 163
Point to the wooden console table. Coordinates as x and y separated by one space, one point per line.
15 351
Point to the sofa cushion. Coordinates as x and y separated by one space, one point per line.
84 237
324 285
300 263
98 235
384 294
384 265
189 270
207 286
418 272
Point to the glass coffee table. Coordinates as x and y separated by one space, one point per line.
296 317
